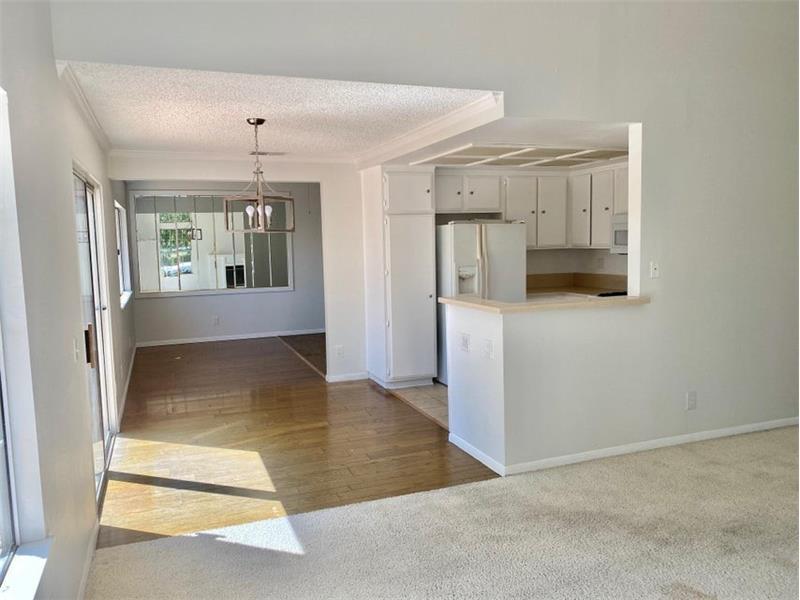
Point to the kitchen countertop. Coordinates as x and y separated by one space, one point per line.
545 300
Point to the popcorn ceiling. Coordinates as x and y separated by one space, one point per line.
157 109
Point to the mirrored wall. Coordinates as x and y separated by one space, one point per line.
181 245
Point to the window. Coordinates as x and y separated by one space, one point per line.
182 246
123 260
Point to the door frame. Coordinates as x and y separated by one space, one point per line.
108 372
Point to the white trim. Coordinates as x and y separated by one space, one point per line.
125 299
226 338
118 154
121 405
477 454
401 383
75 90
24 574
87 564
484 110
217 292
676 440
360 376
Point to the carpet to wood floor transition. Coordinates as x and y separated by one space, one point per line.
713 519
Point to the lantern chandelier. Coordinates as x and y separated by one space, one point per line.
258 208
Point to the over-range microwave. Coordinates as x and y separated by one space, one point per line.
619 234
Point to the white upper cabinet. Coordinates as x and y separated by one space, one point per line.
580 198
408 192
521 193
449 193
602 202
482 193
621 191
551 230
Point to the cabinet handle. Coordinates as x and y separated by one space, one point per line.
471 192
458 193
542 212
583 210
606 208
427 191
533 212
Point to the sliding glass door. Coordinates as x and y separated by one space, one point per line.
92 307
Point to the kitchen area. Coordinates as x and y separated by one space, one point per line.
501 232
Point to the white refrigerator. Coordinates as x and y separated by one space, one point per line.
485 259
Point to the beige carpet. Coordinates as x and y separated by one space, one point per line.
714 519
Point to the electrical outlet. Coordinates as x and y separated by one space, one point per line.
601 262
215 320
338 350
691 400
488 349
655 270
464 342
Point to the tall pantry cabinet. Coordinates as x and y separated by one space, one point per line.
400 275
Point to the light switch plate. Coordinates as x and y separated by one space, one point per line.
655 270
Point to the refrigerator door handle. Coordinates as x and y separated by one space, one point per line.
479 260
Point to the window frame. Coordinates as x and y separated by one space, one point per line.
123 254
8 456
134 255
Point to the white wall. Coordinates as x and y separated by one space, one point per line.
160 320
342 256
714 84
90 157
50 276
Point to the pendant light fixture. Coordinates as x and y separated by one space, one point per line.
258 208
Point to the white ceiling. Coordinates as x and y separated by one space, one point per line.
178 110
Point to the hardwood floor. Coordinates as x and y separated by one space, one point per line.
311 348
223 433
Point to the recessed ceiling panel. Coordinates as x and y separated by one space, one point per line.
549 152
604 154
511 161
564 162
486 151
451 160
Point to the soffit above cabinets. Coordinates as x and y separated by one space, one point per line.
508 155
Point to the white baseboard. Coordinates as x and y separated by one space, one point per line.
227 338
398 385
346 377
487 460
568 459
87 565
121 405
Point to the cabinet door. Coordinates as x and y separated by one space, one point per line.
411 296
602 200
521 203
408 192
551 223
621 191
449 193
482 193
580 199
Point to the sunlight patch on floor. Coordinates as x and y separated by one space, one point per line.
205 464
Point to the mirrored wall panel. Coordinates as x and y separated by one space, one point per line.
181 245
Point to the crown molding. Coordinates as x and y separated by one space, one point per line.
123 153
484 110
75 91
